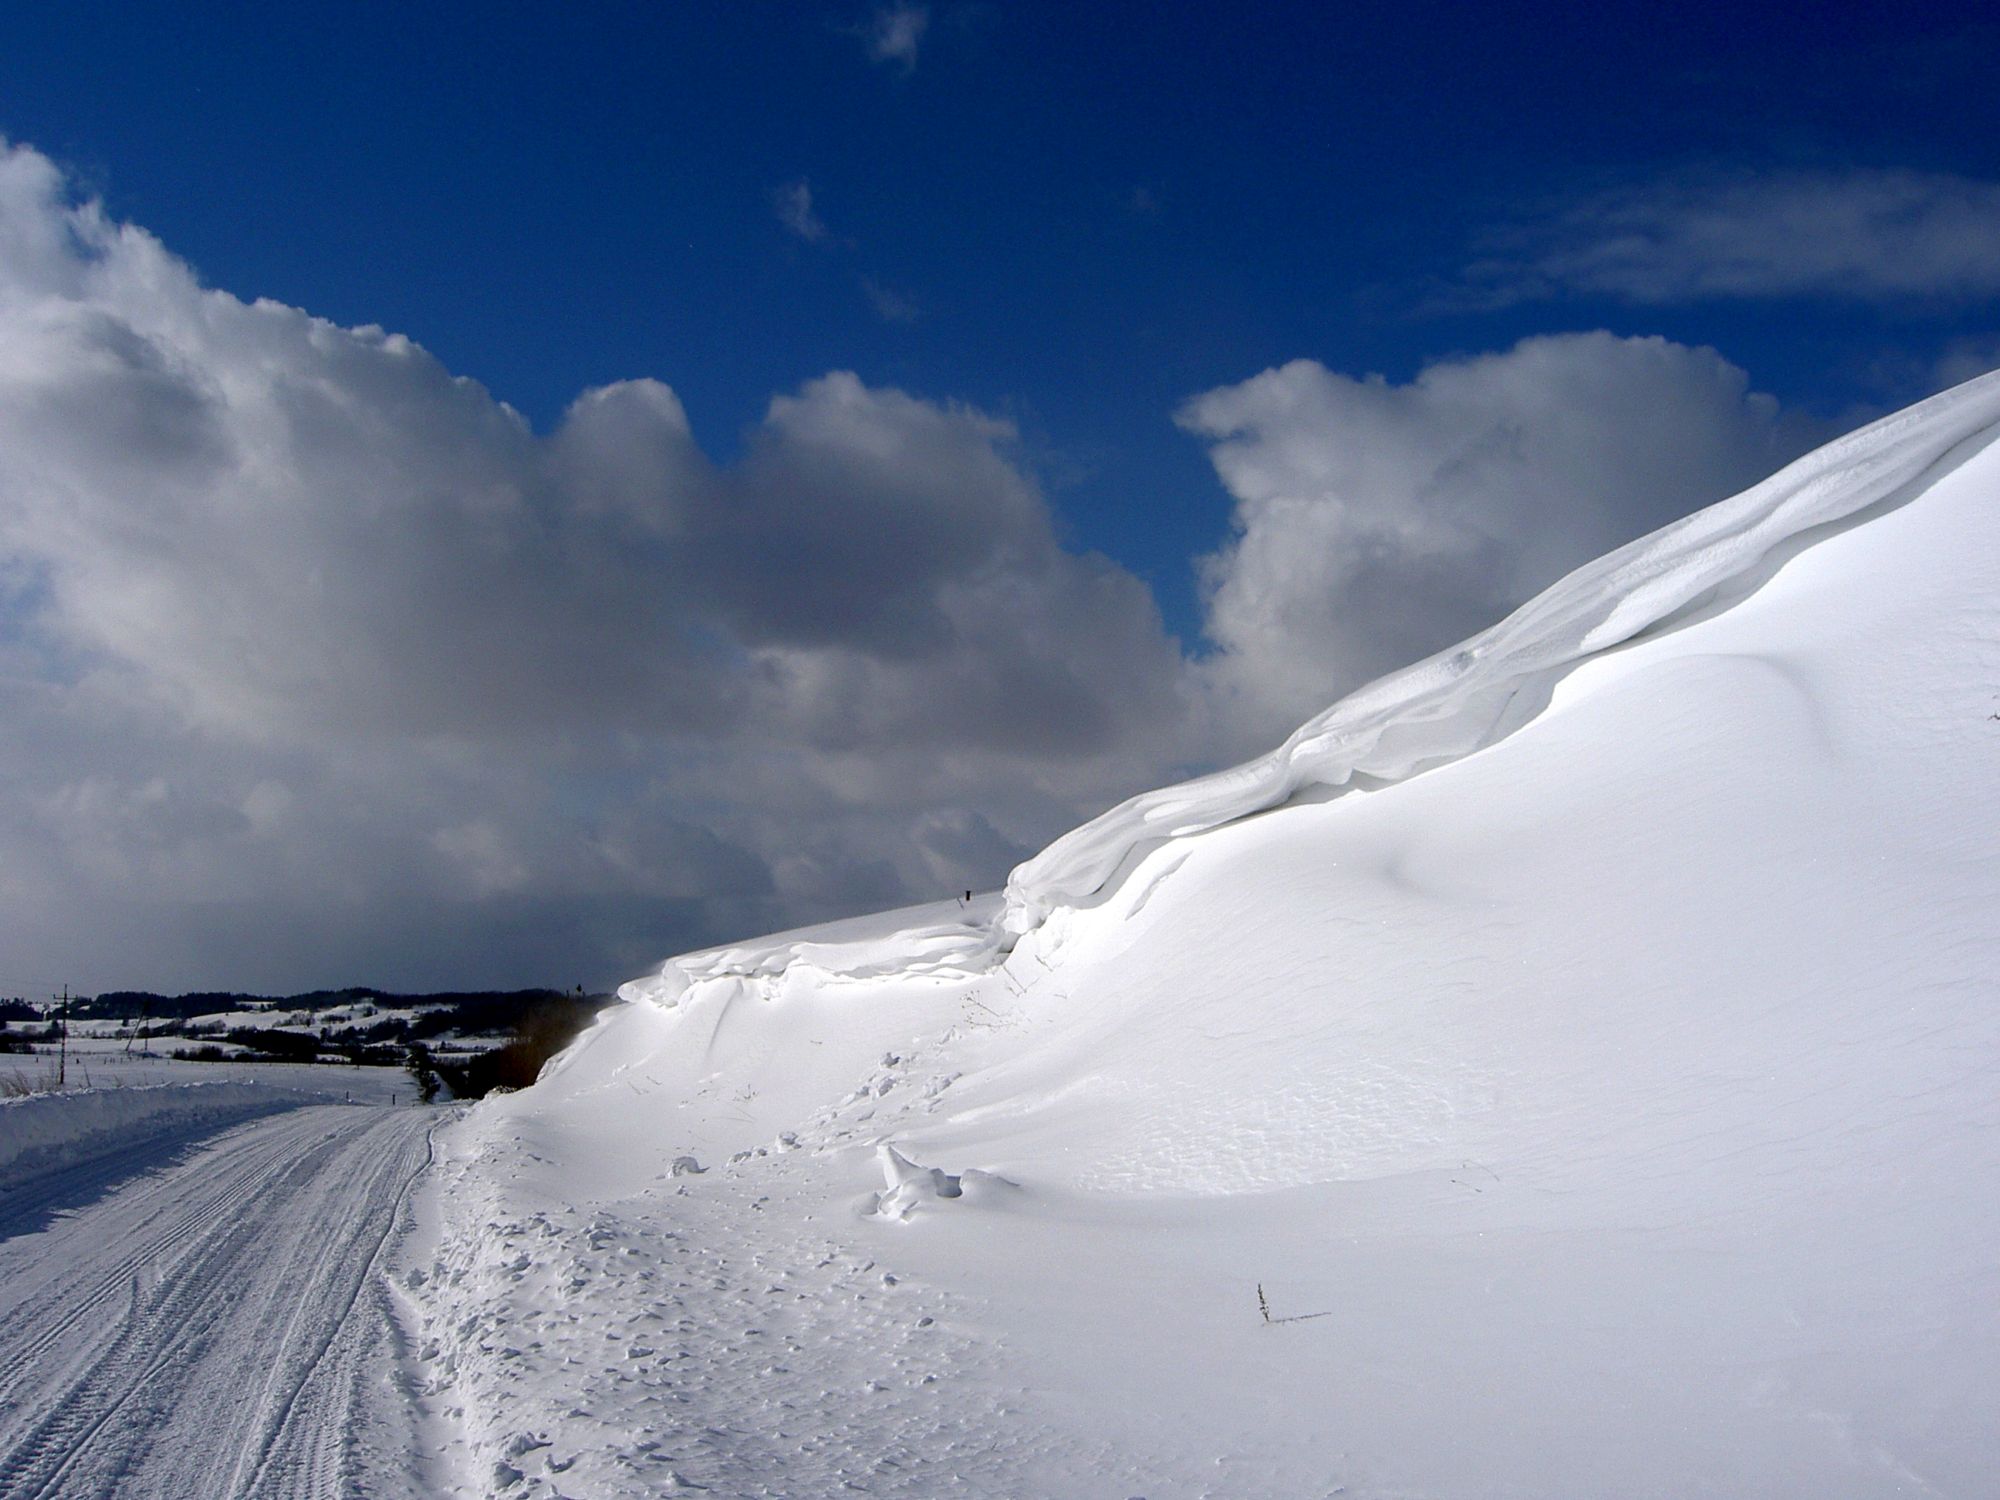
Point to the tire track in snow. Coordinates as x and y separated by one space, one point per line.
243 1359
312 1446
63 1313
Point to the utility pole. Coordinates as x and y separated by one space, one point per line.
62 1055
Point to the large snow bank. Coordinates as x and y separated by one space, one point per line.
1610 1111
1470 696
1444 708
46 1132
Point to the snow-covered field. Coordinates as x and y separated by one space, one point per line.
1571 1068
105 1063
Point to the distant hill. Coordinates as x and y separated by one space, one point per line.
485 1012
474 1039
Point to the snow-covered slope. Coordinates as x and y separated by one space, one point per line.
1438 710
1571 1067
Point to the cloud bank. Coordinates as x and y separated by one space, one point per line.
295 617
319 665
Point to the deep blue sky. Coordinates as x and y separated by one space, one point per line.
1096 211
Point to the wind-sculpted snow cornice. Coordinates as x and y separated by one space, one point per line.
943 938
1468 697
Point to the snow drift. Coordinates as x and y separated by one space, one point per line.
1466 698
1609 1109
1439 710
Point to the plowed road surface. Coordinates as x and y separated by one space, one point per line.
211 1321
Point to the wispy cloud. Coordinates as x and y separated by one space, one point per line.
1870 235
1965 359
895 32
794 205
890 305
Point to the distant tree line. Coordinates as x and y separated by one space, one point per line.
540 1031
489 1010
524 1029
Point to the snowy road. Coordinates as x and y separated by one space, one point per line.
215 1323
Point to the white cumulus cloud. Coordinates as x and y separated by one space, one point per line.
1376 523
302 636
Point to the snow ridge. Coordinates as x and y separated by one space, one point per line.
1442 709
1474 694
